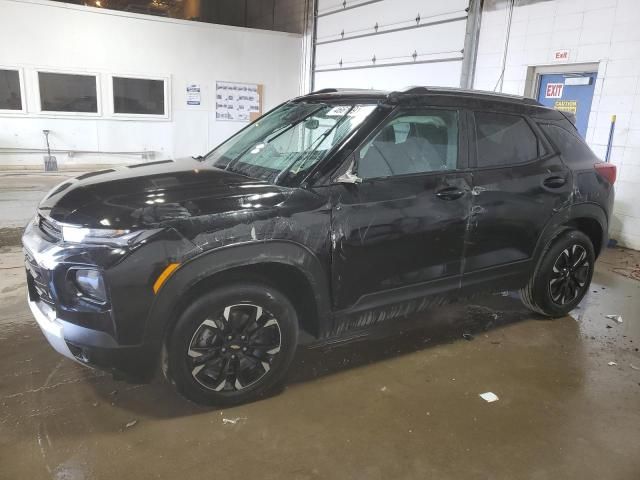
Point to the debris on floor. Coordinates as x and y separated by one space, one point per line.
467 336
633 367
489 397
232 421
383 389
632 273
615 318
612 364
132 423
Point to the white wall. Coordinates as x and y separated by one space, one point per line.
38 33
606 32
441 41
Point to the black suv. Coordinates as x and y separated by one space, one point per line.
335 211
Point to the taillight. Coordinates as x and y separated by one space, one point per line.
607 171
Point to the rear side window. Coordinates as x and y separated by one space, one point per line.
571 146
503 139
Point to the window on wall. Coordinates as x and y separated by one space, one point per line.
70 93
503 139
10 94
138 96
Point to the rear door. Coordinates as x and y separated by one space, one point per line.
518 184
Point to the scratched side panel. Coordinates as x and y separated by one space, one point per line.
510 209
394 233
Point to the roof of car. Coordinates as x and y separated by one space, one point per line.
412 93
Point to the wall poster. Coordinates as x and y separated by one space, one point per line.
238 102
193 94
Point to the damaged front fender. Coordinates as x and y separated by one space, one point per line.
170 299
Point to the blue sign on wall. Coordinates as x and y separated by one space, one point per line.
570 92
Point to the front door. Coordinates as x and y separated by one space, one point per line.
402 229
569 92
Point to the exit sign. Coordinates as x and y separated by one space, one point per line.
561 56
554 90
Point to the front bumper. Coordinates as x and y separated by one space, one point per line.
93 348
109 336
51 327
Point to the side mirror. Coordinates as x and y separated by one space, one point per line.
349 176
311 124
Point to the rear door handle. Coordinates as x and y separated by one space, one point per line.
449 193
554 182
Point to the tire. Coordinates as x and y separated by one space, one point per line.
549 290
233 345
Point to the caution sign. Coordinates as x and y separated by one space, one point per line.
570 106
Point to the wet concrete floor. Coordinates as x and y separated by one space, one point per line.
404 406
20 193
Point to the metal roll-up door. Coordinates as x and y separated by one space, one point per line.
388 44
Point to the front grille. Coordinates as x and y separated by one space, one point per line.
49 228
37 280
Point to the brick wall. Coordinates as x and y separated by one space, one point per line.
605 32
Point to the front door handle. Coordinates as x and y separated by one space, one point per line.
554 182
449 193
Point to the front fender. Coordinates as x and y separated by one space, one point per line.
228 257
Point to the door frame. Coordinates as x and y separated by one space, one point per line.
535 72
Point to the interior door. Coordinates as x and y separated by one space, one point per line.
403 227
570 92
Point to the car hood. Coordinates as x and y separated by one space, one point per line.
156 193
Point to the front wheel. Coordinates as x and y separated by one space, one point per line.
562 277
233 345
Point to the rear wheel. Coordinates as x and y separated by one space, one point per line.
233 345
562 276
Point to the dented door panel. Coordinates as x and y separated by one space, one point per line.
510 208
396 232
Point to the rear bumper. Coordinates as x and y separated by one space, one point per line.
93 348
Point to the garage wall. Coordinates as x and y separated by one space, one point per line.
604 32
70 38
389 44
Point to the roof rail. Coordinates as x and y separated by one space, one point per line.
413 89
396 95
336 90
325 90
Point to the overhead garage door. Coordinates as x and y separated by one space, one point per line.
388 44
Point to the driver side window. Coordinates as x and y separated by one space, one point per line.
422 141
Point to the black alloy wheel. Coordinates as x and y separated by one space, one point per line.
232 345
570 274
562 274
235 347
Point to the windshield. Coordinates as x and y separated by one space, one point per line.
288 141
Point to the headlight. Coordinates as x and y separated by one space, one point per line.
96 235
90 283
